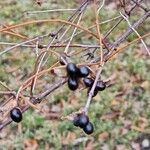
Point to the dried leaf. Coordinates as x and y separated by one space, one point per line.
104 136
115 102
135 146
137 128
69 138
90 146
30 144
120 147
110 116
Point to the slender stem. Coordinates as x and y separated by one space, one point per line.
93 88
146 48
47 11
72 36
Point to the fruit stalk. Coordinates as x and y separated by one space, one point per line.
92 89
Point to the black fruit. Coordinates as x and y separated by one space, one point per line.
61 62
72 70
100 86
88 82
83 120
95 92
76 121
16 114
72 84
83 71
88 129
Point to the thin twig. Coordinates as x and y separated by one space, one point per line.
112 28
146 48
101 60
97 26
141 6
5 86
72 36
93 89
129 31
47 11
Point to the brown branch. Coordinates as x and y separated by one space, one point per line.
124 35
129 30
37 99
128 13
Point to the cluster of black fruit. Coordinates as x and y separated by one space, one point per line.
100 85
16 114
82 121
74 73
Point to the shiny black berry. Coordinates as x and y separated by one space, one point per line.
83 120
88 129
83 71
72 70
16 114
61 62
95 92
88 82
72 84
76 121
100 86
